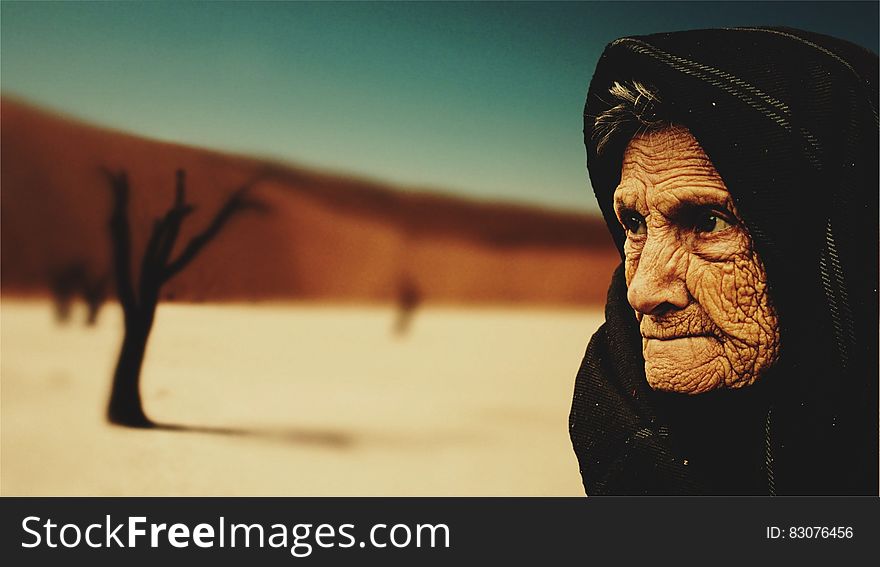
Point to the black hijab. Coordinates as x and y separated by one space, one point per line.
789 120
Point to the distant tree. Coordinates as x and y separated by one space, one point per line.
408 299
63 285
94 293
75 280
157 267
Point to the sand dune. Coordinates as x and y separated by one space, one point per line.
326 237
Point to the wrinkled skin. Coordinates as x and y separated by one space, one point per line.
697 285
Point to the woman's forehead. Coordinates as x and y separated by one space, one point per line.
668 164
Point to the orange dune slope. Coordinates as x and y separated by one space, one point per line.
324 237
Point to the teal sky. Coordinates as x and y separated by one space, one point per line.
480 99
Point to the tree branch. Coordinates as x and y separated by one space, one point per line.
155 266
235 204
174 219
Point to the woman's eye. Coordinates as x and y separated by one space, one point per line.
711 222
634 223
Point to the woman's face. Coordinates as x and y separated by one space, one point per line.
698 288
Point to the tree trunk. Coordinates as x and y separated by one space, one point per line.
125 406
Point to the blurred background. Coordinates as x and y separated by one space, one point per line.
405 305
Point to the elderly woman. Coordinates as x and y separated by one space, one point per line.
737 171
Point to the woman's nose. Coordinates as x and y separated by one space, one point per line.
658 284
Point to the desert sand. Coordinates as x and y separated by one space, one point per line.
296 399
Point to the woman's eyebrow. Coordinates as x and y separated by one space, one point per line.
695 197
625 197
686 212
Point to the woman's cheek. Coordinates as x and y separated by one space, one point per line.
631 253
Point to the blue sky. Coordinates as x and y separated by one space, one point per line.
480 99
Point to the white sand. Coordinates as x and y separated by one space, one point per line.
325 400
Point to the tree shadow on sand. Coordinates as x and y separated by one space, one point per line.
298 436
335 439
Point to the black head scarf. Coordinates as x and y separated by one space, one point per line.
789 120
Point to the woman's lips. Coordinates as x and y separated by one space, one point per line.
686 350
676 337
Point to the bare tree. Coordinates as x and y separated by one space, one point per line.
157 267
94 293
64 283
73 281
408 299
